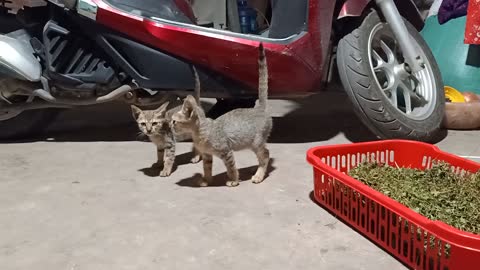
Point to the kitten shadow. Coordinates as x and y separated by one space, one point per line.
154 170
220 180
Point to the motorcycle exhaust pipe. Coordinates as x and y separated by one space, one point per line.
395 20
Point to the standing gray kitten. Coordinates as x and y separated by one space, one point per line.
234 131
156 124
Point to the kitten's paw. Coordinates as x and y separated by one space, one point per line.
232 183
196 159
165 173
202 183
257 179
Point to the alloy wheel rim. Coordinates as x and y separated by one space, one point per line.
411 94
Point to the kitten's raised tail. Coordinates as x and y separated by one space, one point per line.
196 90
262 78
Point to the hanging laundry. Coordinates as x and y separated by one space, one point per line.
451 9
472 28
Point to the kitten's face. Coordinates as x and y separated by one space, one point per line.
185 119
151 122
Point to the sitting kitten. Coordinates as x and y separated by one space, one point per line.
156 125
234 131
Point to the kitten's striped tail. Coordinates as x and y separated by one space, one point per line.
196 90
262 78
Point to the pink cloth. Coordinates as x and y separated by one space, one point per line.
472 28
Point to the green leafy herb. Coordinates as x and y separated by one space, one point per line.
436 193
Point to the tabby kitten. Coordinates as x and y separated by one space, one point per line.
156 124
234 131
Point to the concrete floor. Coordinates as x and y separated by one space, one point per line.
85 198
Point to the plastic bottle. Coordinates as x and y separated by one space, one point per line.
253 21
244 15
248 17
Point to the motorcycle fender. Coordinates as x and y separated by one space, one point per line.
407 8
17 59
352 8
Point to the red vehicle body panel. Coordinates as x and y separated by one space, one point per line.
353 8
294 68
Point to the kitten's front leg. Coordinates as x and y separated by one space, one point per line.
207 170
160 154
232 172
168 161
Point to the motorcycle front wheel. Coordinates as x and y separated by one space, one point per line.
26 124
392 102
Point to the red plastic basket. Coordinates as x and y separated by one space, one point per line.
416 241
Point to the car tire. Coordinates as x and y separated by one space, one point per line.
375 105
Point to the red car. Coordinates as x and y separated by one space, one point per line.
81 52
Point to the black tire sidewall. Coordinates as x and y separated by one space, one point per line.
27 124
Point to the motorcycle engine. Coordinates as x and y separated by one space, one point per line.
74 67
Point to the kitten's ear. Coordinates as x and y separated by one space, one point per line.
191 100
136 112
162 109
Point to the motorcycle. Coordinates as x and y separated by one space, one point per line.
72 53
